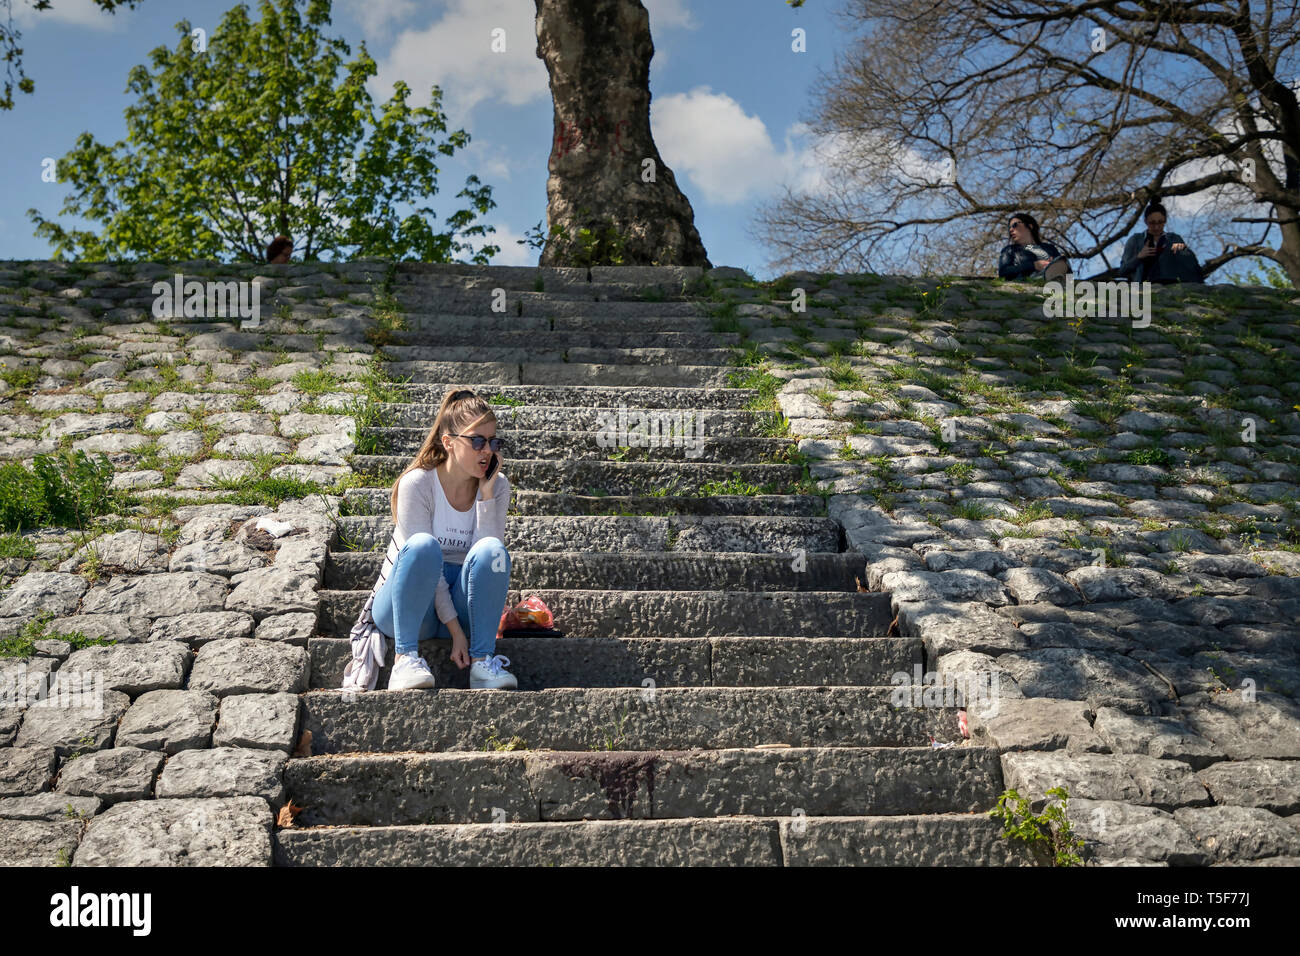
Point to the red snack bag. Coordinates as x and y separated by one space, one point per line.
531 612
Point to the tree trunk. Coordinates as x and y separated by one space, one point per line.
1288 249
606 175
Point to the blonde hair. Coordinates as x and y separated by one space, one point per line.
461 409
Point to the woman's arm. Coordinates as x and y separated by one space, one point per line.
414 504
415 514
1012 262
1130 261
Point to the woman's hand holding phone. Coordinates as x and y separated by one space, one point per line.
489 478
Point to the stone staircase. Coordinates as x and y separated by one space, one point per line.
723 692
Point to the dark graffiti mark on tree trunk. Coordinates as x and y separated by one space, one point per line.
591 133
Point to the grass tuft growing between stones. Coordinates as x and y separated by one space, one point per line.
377 388
23 644
762 381
273 490
1049 835
16 546
59 490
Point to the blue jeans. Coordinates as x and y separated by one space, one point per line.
404 607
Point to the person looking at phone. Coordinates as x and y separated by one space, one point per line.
1157 255
1026 255
447 570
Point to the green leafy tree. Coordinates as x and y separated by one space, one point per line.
11 54
266 129
1266 274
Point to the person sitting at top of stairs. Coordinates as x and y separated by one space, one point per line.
1026 256
1157 255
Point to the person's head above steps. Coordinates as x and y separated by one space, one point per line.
463 416
277 253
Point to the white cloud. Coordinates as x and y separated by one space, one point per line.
378 18
455 53
82 13
667 14
729 154
709 137
511 254
490 163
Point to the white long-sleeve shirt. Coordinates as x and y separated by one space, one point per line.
422 505
417 508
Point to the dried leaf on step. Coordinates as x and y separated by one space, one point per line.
288 813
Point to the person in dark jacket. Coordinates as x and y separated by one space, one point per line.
1027 256
1159 256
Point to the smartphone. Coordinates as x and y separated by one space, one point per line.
1151 241
492 466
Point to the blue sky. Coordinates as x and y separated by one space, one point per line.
729 98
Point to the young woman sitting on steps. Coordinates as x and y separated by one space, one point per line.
447 569
1026 256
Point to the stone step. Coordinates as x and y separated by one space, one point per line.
457 317
641 570
629 305
599 718
589 396
563 373
679 440
559 281
972 839
569 288
596 318
545 305
432 275
538 786
488 351
618 477
363 501
755 534
571 279
674 614
545 339
733 423
540 663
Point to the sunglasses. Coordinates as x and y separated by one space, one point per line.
478 441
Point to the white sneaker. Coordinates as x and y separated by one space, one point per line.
491 673
410 672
